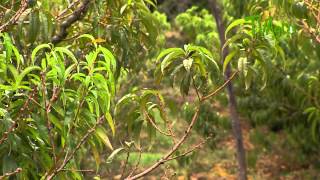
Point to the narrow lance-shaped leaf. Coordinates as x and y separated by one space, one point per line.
228 59
113 154
110 122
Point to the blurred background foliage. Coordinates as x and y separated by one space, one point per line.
277 90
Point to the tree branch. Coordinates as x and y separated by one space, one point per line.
190 150
155 125
74 17
220 88
11 173
65 10
69 157
15 17
166 157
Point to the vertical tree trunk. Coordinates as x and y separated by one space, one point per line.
236 127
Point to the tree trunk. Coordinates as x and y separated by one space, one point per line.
236 127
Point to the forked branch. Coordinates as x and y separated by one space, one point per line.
15 17
167 157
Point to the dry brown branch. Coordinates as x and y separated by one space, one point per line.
313 31
74 17
168 122
198 146
15 17
167 156
79 170
155 125
125 165
18 170
137 164
220 88
59 16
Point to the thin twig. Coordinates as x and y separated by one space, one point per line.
154 124
15 17
137 164
163 159
80 143
74 17
196 89
65 10
220 88
190 150
315 11
125 165
168 123
79 170
49 125
184 137
18 170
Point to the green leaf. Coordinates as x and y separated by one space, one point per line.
248 78
67 52
93 40
38 48
125 100
233 39
103 136
168 51
169 59
109 58
234 24
228 59
113 154
110 122
123 8
25 72
14 72
34 26
185 84
151 3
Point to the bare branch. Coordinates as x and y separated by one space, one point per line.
15 17
79 170
166 157
11 173
198 146
74 17
155 126
137 164
125 165
65 10
168 123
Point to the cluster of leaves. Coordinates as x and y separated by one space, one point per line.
52 100
128 27
141 110
189 66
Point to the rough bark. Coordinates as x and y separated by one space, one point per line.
74 17
236 127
